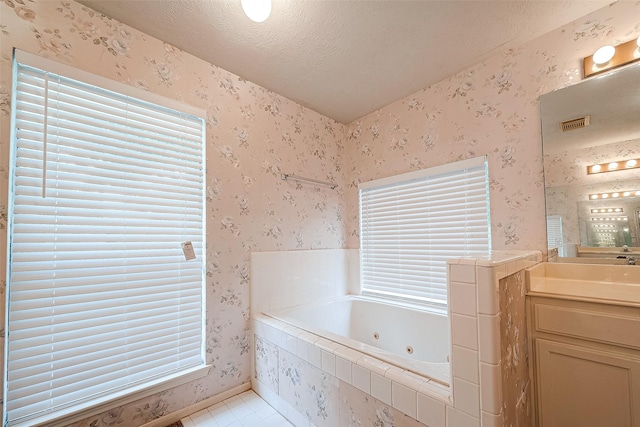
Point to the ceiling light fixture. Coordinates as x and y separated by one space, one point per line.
256 10
609 57
613 166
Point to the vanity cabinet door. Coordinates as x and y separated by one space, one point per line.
579 386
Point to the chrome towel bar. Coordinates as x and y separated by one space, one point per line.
287 176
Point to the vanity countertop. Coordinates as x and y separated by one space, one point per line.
611 284
588 252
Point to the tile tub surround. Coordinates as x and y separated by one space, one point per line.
411 339
284 354
483 349
287 278
313 381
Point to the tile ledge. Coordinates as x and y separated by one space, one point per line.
497 258
438 392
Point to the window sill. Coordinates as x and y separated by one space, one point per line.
97 407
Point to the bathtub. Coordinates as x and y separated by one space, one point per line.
411 339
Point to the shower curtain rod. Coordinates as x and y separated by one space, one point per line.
312 181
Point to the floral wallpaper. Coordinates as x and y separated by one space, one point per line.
253 136
267 364
514 355
489 109
359 409
310 391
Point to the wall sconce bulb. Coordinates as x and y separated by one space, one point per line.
603 55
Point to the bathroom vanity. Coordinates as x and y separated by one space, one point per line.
584 338
584 312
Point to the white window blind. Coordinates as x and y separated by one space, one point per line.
554 233
101 300
412 223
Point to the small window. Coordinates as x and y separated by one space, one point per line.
554 233
105 189
411 224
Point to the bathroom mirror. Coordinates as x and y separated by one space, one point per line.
594 122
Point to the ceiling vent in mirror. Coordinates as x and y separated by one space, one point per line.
573 124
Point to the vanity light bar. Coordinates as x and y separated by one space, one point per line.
615 194
605 225
611 218
609 57
606 210
613 166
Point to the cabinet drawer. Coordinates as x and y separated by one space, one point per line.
608 328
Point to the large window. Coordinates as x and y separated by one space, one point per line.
106 192
411 224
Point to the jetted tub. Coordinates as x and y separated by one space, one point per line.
411 339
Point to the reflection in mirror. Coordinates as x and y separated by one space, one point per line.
593 214
605 227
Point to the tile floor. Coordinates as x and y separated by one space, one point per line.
244 410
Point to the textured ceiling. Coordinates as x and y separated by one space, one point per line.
346 58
